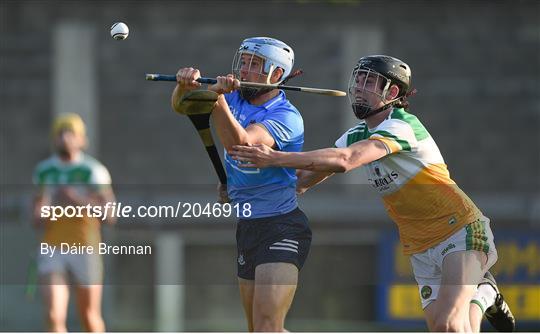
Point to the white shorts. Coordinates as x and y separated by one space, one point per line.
427 266
85 269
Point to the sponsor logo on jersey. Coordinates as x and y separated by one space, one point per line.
447 248
383 182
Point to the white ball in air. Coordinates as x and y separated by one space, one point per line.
119 31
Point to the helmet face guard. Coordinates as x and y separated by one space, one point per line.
261 56
370 80
248 64
366 88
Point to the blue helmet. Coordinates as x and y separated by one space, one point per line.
273 52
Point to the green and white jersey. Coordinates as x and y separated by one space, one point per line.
85 170
85 175
413 181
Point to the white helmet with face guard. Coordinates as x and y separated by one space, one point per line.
274 53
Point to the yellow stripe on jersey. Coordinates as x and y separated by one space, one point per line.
429 208
391 145
414 182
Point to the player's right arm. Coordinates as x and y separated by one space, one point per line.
330 160
350 152
40 199
185 81
307 179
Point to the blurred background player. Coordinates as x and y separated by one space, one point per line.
449 241
274 240
71 178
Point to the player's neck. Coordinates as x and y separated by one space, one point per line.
69 156
374 121
262 99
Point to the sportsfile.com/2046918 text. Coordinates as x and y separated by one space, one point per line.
119 210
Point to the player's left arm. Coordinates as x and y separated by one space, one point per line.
102 191
332 160
229 130
231 133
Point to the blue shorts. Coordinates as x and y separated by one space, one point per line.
280 239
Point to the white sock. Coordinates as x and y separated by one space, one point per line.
484 297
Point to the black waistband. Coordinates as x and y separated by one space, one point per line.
270 218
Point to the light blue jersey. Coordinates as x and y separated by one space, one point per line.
269 191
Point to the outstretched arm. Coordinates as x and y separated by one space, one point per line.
308 179
332 160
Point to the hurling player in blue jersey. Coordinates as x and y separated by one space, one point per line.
274 239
